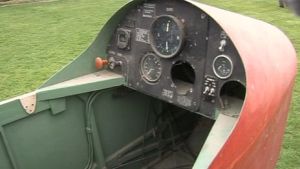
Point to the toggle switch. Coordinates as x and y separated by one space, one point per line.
212 92
223 43
206 90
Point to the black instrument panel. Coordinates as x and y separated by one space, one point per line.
177 53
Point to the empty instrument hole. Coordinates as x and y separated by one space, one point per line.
233 89
232 96
183 76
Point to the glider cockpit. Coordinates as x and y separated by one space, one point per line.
167 84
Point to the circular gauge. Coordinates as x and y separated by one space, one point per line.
167 34
151 68
223 66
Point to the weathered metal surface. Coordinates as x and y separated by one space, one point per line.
54 134
87 83
215 141
270 63
53 97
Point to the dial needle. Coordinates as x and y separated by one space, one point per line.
167 46
168 27
150 71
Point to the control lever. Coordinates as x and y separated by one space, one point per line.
223 43
112 63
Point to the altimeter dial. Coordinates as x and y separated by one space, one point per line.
167 35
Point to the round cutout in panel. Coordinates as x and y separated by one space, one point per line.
183 76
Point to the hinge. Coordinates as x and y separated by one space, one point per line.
29 102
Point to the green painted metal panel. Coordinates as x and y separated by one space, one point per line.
46 141
4 158
121 119
56 137
11 111
83 84
58 105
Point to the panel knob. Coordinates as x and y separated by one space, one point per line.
100 63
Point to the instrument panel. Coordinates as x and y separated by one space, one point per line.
177 53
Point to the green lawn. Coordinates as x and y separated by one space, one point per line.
36 40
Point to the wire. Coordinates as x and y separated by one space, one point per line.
88 127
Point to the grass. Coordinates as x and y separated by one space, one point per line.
8 2
36 40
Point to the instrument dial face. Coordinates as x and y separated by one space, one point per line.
151 67
167 36
223 66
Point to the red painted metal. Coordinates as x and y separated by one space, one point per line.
270 63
